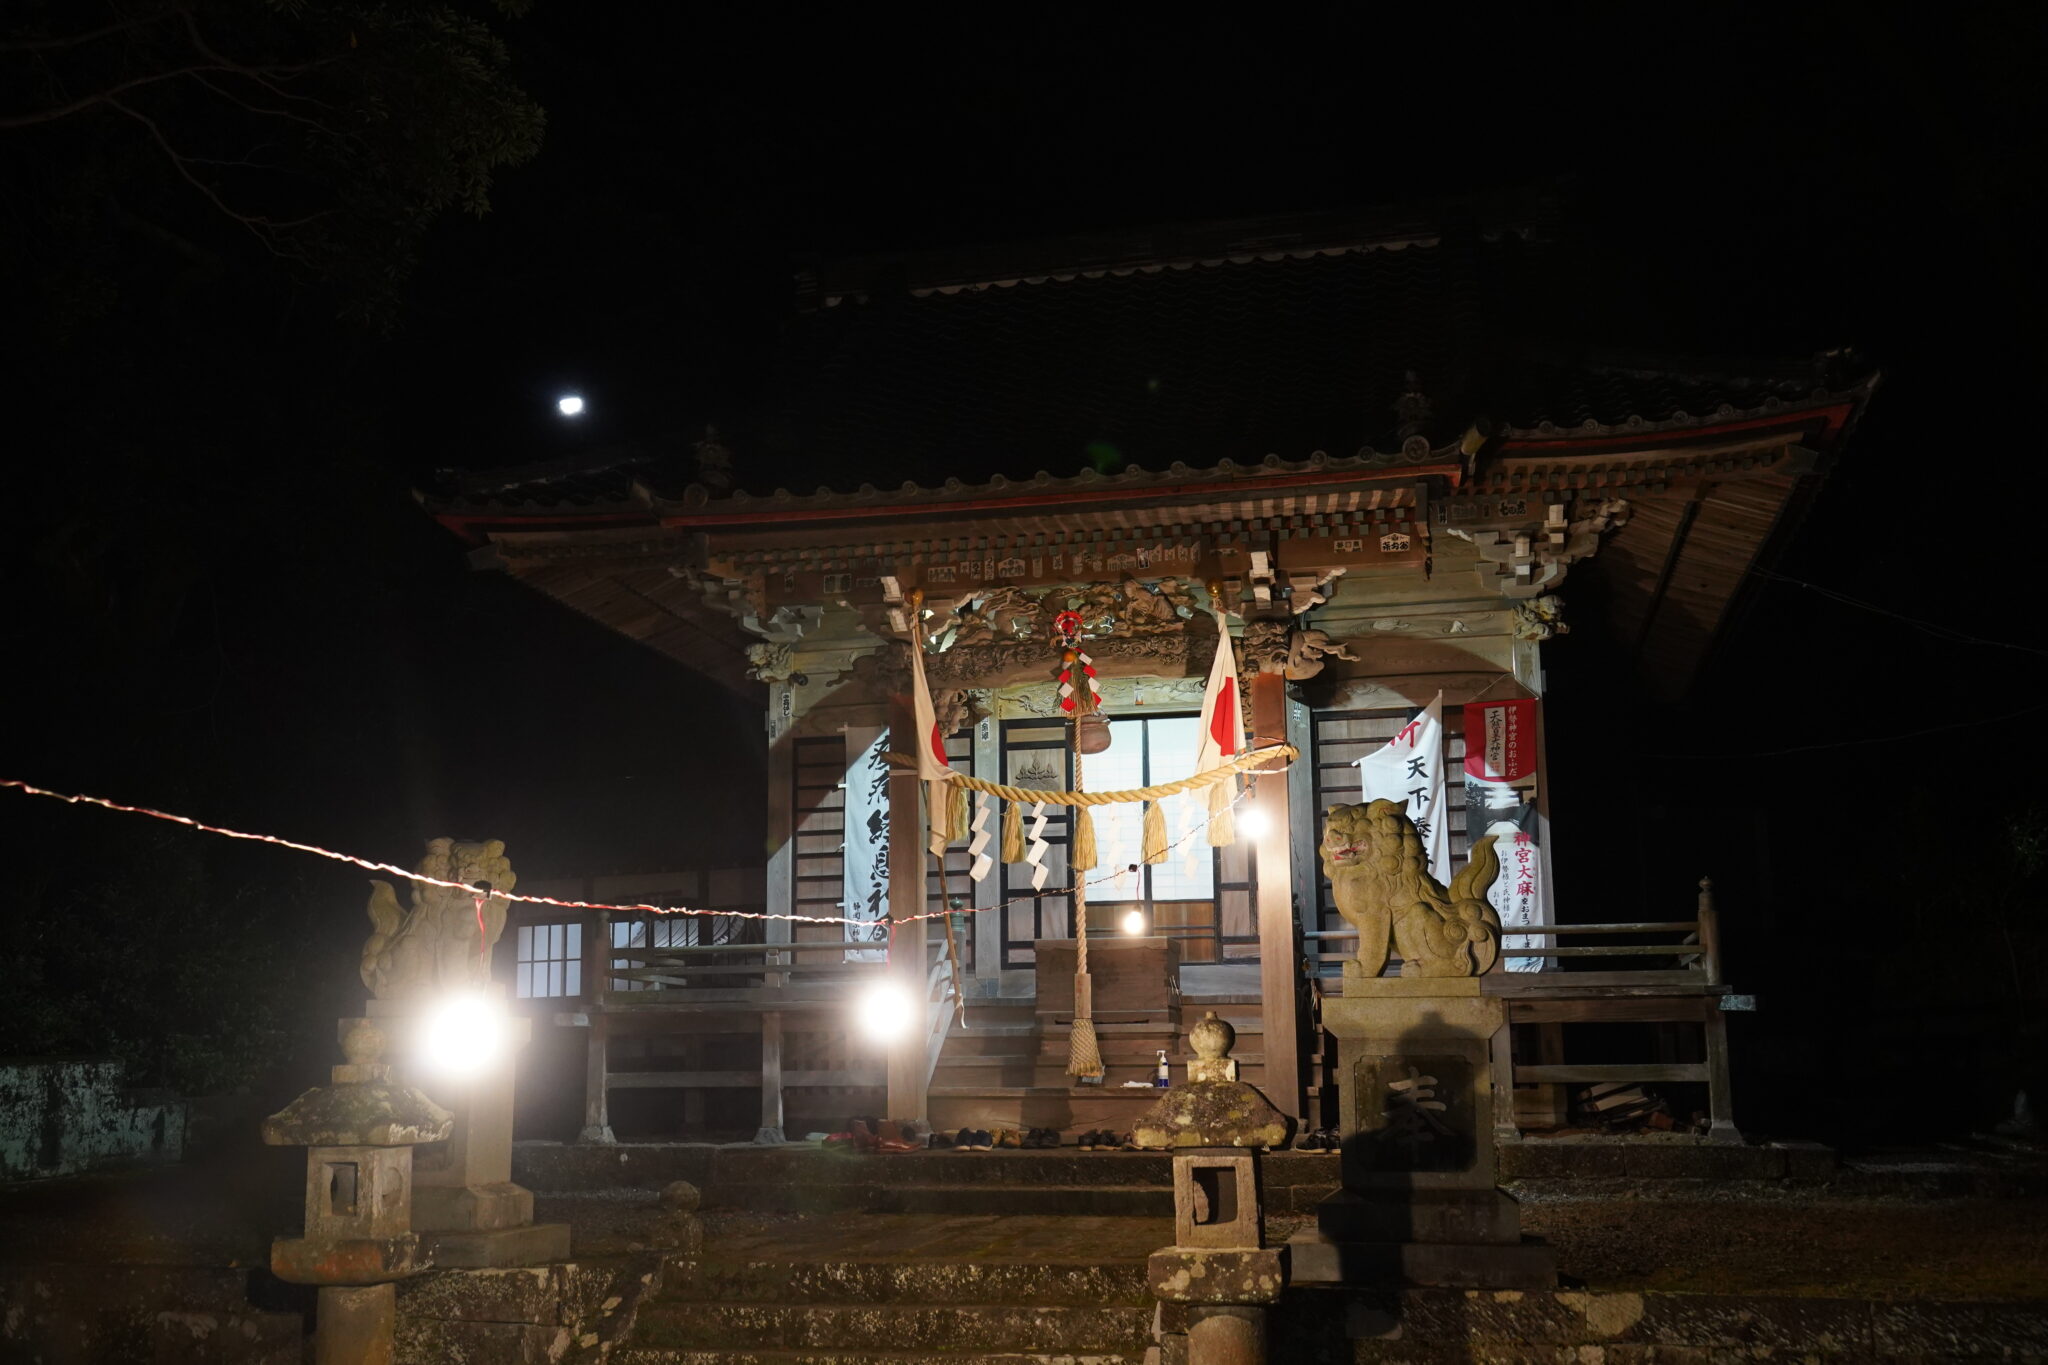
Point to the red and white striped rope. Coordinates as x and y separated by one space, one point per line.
371 865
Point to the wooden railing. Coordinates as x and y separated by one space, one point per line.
1698 955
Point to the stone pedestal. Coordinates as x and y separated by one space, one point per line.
1420 1203
357 1325
466 1209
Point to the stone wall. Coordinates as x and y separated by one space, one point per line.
562 1314
66 1116
1338 1327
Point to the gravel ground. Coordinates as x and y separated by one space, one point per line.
1699 1238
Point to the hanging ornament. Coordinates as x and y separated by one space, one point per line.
1080 695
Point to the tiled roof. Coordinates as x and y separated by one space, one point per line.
1185 353
1194 363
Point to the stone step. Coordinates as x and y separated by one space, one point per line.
668 1355
896 1329
918 1281
966 1199
1020 1167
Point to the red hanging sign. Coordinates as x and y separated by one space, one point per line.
1500 740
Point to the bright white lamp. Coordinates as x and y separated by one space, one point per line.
462 1035
1134 923
570 405
1254 822
883 1011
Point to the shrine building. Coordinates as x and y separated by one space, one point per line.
1313 433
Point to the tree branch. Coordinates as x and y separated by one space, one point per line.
75 39
262 229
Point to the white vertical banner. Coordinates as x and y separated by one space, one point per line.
1517 893
1410 770
866 852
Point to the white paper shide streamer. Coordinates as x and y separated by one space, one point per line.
1036 848
977 843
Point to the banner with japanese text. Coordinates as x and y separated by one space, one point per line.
866 854
1500 741
1410 769
1500 799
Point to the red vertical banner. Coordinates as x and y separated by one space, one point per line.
1500 741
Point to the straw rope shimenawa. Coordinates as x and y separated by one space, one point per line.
1084 1053
1032 795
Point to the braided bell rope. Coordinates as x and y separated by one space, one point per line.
1242 763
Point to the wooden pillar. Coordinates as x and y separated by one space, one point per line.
597 964
1279 970
1501 1056
1720 1097
988 924
1720 1101
907 1076
770 1132
780 891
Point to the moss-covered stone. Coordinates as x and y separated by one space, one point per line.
1212 1114
374 1115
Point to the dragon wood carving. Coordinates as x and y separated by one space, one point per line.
1379 875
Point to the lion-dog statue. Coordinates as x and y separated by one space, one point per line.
442 942
1379 873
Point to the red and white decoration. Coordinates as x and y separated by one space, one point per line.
1500 741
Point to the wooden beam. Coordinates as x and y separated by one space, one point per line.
907 892
1278 977
740 1080
1593 1075
1611 1010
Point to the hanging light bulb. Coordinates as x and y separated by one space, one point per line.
1134 923
1253 822
883 1011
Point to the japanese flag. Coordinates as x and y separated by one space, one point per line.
1222 710
931 745
1410 770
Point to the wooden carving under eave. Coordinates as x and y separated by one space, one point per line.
1379 875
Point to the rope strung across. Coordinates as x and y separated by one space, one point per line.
1033 795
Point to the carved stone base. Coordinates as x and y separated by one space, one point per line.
1465 1217
769 1137
1317 1259
471 1208
528 1244
598 1135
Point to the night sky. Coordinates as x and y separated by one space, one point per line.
223 598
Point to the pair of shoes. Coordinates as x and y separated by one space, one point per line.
903 1135
1319 1140
973 1140
837 1141
864 1139
1009 1137
1101 1140
940 1142
1042 1137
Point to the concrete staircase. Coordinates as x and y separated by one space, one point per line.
1006 1067
959 1291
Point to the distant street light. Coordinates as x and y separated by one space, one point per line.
570 405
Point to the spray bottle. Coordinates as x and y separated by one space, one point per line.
1162 1076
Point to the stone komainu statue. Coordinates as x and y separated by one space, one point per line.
435 945
1379 873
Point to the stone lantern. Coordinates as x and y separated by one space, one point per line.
359 1133
1219 1267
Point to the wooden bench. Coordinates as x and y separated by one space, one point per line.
1689 991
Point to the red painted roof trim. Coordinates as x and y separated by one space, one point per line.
773 512
1835 417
